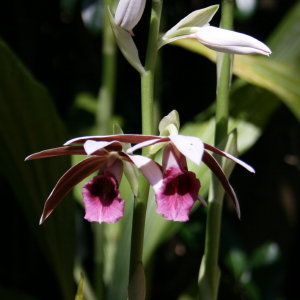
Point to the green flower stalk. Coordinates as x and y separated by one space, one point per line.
209 275
147 95
106 94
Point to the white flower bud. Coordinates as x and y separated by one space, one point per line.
129 13
228 41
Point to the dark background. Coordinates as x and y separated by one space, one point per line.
50 38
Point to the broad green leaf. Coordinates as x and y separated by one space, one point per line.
29 123
285 39
137 285
277 77
118 285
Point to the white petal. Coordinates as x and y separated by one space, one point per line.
150 170
129 13
92 146
145 144
189 146
223 40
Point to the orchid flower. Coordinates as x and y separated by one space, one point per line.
101 196
176 189
228 41
196 26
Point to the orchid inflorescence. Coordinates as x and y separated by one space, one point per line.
176 188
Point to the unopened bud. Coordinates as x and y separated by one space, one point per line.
129 13
223 40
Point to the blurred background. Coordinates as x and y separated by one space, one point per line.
50 75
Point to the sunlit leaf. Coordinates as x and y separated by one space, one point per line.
277 77
80 294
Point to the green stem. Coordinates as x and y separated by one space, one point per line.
147 94
107 91
147 78
103 123
209 275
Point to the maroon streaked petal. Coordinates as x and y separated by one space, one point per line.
238 161
66 150
123 138
72 177
210 161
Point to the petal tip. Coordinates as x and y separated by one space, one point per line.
42 219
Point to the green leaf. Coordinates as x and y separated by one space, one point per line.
79 294
277 77
285 40
237 262
137 285
118 285
266 254
86 102
29 123
126 45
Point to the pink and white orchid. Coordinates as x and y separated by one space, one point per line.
101 196
179 187
176 188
